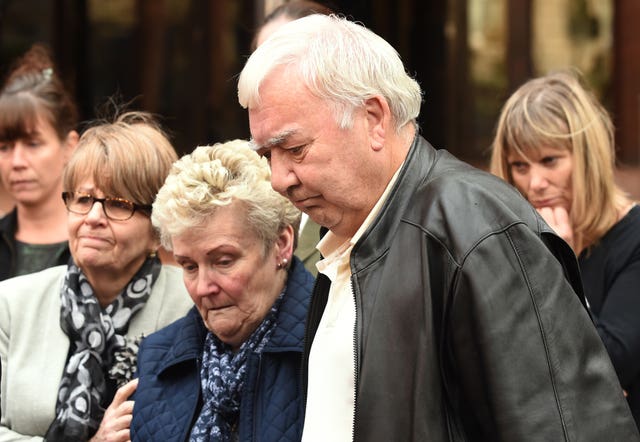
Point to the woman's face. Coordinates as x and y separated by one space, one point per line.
101 246
31 168
231 281
544 177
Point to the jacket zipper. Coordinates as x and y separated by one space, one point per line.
356 361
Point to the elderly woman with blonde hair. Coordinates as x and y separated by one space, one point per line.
229 370
69 334
554 143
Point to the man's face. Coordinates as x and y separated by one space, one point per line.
327 172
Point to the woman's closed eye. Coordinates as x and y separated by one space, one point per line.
187 266
225 261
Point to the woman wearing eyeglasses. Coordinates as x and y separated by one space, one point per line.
69 334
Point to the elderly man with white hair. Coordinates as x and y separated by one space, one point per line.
445 308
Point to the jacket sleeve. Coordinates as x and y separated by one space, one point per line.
6 434
618 323
528 361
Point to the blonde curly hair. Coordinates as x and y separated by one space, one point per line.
215 176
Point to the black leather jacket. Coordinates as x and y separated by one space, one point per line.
467 325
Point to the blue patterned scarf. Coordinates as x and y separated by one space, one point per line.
95 334
222 377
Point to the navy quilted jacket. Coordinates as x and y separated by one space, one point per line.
168 400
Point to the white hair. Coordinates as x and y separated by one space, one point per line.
338 60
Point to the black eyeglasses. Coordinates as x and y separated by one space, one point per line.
117 209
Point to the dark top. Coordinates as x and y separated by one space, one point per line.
611 278
32 258
8 248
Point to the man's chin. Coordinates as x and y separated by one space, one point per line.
317 215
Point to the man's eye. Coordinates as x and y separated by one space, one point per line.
297 149
264 153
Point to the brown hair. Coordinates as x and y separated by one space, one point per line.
33 90
293 10
128 158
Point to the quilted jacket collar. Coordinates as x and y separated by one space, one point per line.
188 341
289 333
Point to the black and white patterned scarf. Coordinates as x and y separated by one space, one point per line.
94 334
222 377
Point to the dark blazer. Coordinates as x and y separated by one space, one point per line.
168 398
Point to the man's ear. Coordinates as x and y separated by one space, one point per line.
378 120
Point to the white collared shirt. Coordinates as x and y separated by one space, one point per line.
331 382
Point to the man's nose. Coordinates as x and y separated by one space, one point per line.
282 174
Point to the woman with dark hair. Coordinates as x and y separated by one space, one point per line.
37 136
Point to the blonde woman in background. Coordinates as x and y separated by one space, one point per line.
554 143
